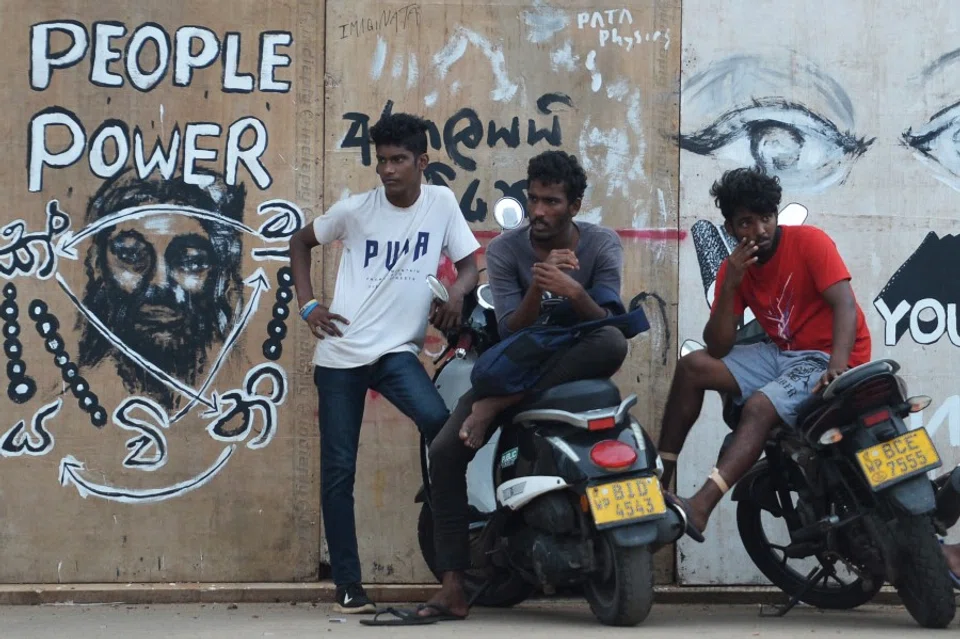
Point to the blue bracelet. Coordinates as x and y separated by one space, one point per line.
306 310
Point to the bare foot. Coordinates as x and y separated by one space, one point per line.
696 517
474 429
450 598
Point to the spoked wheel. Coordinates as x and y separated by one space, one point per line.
765 538
621 594
506 590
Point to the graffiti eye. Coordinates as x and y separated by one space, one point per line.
193 260
938 141
190 254
131 249
804 149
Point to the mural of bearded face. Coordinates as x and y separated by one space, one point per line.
167 283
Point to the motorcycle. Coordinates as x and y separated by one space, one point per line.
566 492
850 484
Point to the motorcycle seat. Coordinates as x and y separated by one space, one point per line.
819 405
574 397
859 374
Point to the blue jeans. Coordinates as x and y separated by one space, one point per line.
402 380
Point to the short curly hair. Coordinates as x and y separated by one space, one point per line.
747 188
403 130
559 167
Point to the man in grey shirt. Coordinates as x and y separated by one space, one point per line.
550 255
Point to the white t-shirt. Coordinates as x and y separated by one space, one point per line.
381 284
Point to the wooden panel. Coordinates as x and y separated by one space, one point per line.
152 389
502 82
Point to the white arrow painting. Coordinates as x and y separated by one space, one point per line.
71 469
254 404
259 282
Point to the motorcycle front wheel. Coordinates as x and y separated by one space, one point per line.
508 589
924 585
622 593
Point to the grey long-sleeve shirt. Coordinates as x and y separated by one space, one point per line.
510 260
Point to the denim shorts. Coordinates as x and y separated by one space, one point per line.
787 378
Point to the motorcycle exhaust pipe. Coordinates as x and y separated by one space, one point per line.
948 499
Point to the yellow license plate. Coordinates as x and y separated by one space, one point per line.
626 500
907 455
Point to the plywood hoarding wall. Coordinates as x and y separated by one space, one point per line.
160 414
158 155
503 81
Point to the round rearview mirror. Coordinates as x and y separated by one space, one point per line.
508 212
689 346
485 297
792 214
438 289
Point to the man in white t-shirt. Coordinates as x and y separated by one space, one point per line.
370 336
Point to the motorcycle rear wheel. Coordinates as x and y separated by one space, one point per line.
505 592
625 596
763 554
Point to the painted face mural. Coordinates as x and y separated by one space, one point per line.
168 285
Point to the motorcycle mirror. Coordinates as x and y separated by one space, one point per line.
485 297
689 346
793 214
508 212
438 289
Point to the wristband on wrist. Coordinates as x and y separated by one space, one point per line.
307 308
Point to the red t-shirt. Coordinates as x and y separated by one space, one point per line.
785 294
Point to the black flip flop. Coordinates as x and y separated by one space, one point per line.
401 618
684 506
443 613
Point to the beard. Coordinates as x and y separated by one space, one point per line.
178 345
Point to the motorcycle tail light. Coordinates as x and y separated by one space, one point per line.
613 455
875 418
602 423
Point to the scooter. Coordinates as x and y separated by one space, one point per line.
566 493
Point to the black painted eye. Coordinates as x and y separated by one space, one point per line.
939 141
190 254
193 260
804 149
133 250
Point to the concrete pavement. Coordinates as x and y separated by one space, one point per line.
547 620
323 592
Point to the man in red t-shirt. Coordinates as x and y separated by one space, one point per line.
796 284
